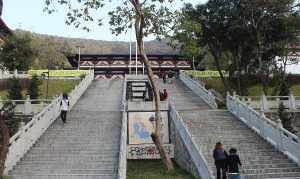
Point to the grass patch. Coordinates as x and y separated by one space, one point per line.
296 90
257 90
154 169
55 87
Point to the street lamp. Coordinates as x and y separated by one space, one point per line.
44 75
79 48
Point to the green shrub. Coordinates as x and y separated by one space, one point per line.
33 89
15 90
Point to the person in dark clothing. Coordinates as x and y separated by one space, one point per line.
164 76
233 163
220 156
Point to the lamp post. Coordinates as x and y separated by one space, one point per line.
48 74
79 48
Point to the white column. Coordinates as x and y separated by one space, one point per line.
27 106
264 103
292 102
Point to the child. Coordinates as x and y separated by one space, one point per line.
233 163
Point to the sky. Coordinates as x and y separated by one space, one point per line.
29 15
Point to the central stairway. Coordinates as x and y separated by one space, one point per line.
260 159
86 147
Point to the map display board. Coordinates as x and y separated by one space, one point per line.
140 127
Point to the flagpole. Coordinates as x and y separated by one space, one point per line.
136 61
143 61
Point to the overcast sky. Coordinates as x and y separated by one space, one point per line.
29 15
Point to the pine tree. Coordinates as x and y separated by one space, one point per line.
15 90
33 89
285 118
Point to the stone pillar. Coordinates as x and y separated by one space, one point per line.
27 106
264 103
292 102
16 73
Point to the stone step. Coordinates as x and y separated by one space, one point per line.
271 175
66 171
64 176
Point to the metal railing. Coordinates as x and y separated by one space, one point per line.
272 132
199 163
199 90
23 140
123 140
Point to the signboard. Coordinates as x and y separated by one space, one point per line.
140 127
147 151
206 73
59 73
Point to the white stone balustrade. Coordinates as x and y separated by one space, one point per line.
269 103
123 140
199 90
275 134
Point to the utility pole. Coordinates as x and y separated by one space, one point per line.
136 56
79 48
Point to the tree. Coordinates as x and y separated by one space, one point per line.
7 128
15 90
33 88
147 17
285 118
17 53
247 34
4 139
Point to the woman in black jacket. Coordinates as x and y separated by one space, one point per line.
220 156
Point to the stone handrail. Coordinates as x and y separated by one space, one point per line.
23 140
272 132
265 103
123 139
199 90
199 166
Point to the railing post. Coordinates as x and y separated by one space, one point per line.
27 106
264 103
292 102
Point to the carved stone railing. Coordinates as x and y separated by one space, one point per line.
123 139
23 140
269 103
199 90
272 132
187 154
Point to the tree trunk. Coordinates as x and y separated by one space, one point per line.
4 132
216 58
156 137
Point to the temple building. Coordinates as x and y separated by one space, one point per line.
116 66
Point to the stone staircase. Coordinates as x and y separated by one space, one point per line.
260 159
86 147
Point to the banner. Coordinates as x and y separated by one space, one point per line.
148 151
206 73
58 73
